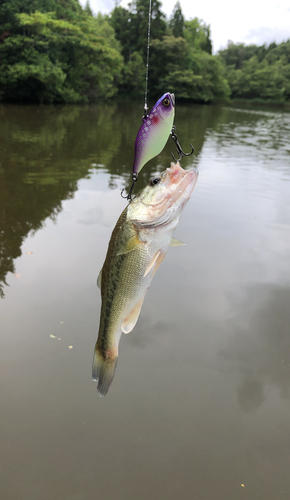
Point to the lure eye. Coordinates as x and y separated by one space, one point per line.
155 181
166 102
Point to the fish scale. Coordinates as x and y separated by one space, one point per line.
137 246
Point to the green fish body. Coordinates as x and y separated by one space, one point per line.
137 247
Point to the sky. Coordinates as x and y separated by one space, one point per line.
251 21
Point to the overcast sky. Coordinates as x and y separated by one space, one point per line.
251 21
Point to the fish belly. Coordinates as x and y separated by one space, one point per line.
126 279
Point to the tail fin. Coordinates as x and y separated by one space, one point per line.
103 372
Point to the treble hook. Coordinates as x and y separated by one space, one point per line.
178 147
129 195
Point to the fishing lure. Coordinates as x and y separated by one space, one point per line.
154 132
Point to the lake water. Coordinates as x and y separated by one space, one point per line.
200 404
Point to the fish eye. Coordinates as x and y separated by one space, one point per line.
155 181
166 102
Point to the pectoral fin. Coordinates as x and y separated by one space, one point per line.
158 261
130 245
176 243
152 263
155 263
131 320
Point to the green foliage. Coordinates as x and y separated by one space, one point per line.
64 9
186 71
176 22
124 24
213 85
88 9
131 26
172 52
47 59
236 54
158 24
197 34
258 72
133 76
53 51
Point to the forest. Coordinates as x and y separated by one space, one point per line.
56 51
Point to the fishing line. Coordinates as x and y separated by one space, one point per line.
135 175
147 63
172 133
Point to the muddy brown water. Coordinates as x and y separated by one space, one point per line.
199 407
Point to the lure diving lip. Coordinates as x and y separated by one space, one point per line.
154 132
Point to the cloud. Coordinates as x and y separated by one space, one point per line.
267 35
104 6
262 26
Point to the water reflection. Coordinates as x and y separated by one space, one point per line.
257 135
45 150
204 407
260 347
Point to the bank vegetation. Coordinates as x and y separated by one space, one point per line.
56 51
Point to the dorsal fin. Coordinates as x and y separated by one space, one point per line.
176 243
99 280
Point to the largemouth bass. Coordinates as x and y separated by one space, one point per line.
154 131
137 247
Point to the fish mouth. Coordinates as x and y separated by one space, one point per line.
179 185
179 179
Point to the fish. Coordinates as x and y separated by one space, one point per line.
154 132
138 245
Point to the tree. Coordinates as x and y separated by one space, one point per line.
197 34
176 22
124 23
88 9
258 72
158 24
133 76
47 59
131 26
190 73
173 53
236 53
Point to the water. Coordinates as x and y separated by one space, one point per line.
199 407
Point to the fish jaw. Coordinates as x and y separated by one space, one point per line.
161 204
154 131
